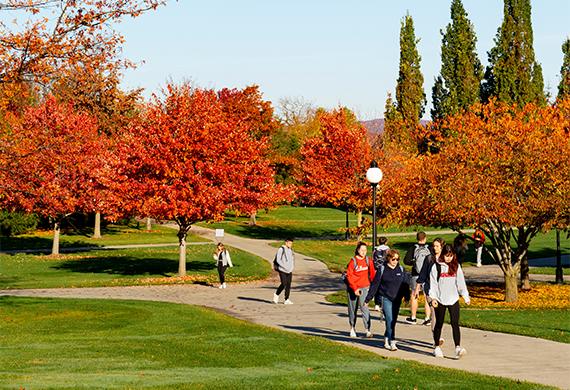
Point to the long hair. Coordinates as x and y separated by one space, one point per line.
360 243
221 247
454 264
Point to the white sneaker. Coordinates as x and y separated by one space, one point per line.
386 343
352 332
437 352
288 302
221 286
459 352
479 264
393 346
275 298
377 308
368 334
224 285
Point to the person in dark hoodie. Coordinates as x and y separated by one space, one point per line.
392 282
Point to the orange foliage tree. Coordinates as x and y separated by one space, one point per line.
334 163
52 162
503 169
186 160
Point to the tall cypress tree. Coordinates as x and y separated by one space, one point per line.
564 86
457 86
513 75
410 95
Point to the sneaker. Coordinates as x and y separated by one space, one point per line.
437 352
224 285
459 352
368 334
479 265
386 343
427 322
221 286
275 298
377 308
352 332
288 302
393 346
412 320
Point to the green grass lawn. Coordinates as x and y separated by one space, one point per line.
549 270
122 267
132 234
51 343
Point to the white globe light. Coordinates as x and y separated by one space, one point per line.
374 175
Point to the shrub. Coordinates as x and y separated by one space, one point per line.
13 224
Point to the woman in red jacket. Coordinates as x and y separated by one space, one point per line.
359 272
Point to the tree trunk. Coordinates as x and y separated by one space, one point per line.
182 261
97 230
525 277
252 220
148 224
55 246
359 223
511 286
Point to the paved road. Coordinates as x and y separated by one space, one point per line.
511 356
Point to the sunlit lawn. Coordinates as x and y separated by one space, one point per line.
132 234
123 267
51 343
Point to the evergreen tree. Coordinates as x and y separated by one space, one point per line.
457 86
410 95
513 75
564 86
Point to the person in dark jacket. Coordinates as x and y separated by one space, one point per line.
460 247
392 282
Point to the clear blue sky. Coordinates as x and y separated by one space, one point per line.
328 52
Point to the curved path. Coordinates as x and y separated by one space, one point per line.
511 356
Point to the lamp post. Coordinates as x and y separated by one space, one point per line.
374 175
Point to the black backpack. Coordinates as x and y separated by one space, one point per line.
379 257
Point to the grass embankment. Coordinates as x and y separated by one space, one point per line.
125 267
62 343
132 234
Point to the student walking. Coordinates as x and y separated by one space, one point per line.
393 284
479 240
359 273
416 256
223 260
379 257
284 264
447 282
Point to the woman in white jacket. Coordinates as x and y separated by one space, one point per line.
223 260
447 282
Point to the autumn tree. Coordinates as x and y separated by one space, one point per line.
513 75
457 86
564 85
334 163
52 159
505 171
187 161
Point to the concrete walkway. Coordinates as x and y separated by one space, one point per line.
517 357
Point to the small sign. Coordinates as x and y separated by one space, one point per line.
220 233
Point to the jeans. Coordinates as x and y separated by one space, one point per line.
352 302
391 310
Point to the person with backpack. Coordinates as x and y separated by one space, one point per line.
416 256
447 282
284 263
359 273
424 280
379 257
393 284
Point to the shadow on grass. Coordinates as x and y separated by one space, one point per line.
130 266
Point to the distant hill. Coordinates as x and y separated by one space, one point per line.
376 126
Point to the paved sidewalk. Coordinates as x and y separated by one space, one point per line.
511 356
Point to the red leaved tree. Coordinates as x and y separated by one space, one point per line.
52 161
503 169
187 161
334 163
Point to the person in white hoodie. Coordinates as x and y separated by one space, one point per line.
447 282
223 260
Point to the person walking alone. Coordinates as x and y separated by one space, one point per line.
447 282
223 260
479 240
284 264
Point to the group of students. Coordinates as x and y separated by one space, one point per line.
435 271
